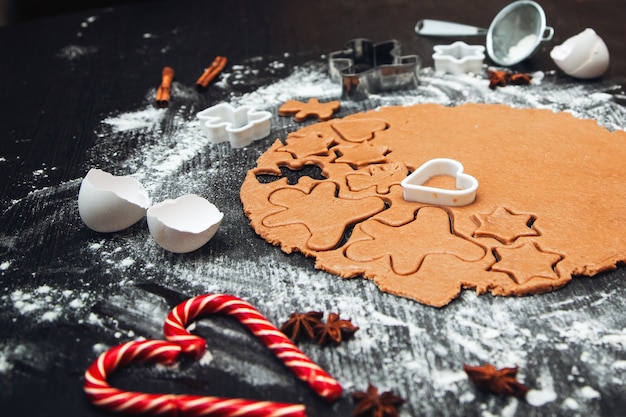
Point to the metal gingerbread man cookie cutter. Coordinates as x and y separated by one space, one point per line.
364 67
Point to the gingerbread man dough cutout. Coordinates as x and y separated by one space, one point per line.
523 234
313 108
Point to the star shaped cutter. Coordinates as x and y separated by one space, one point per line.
364 67
238 125
458 58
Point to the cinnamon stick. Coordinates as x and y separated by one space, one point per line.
211 72
163 92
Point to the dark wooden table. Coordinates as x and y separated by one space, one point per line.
68 293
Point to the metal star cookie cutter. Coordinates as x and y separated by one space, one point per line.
415 190
364 67
458 58
241 125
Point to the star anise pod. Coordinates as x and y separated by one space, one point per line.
521 79
498 78
334 330
300 324
371 404
498 381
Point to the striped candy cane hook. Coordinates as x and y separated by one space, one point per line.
305 369
101 394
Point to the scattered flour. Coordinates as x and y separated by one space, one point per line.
86 23
5 365
570 404
589 393
206 358
147 118
510 409
539 398
73 52
45 303
546 393
174 158
127 262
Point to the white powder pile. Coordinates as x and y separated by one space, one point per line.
5 365
148 118
171 157
47 303
522 48
72 52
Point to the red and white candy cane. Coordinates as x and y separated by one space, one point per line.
101 394
305 369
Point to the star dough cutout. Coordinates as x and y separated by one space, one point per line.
311 144
534 209
504 226
312 108
325 235
362 154
429 233
525 262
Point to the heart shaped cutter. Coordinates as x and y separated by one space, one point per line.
415 190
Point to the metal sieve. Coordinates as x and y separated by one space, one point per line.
514 34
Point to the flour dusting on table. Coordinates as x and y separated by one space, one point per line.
171 157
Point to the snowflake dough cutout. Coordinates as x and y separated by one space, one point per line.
523 234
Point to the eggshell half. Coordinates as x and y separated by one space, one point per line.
107 203
184 224
582 56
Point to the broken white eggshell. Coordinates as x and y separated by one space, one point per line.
184 224
108 203
582 56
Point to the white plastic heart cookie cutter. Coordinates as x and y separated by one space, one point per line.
463 195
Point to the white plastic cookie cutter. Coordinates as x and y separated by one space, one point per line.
458 58
241 125
415 190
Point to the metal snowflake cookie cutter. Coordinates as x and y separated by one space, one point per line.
458 58
239 125
415 190
364 67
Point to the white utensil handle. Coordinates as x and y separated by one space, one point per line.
431 27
